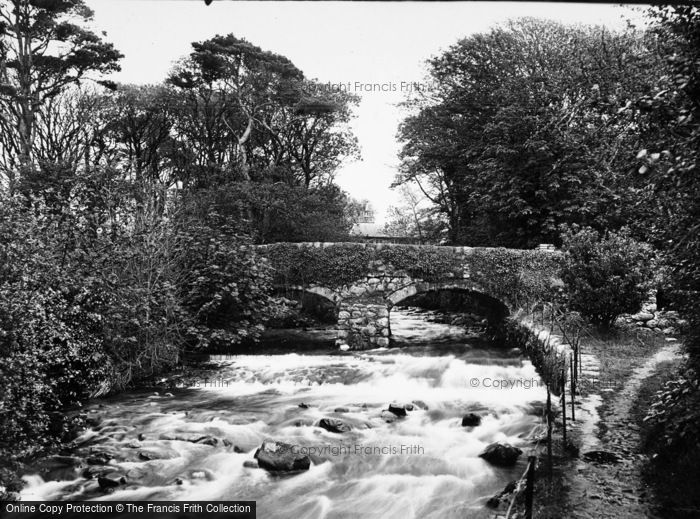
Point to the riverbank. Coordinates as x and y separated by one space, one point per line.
621 373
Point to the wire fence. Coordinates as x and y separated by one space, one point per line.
528 478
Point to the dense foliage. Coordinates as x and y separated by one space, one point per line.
522 132
670 165
673 438
129 214
91 304
228 284
51 349
278 212
606 276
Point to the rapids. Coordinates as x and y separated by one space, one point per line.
424 465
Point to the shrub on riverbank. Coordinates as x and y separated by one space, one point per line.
52 354
91 301
606 276
227 286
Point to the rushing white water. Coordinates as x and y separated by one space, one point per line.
424 465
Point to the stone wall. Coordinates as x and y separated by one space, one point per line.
363 325
546 351
652 319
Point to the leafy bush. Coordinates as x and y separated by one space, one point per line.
675 412
227 286
51 351
672 436
141 316
606 276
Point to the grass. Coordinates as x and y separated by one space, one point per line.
619 353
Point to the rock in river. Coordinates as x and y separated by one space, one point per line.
388 417
207 440
276 456
471 420
148 455
107 483
400 409
501 454
99 458
334 425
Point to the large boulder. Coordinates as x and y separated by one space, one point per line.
334 425
471 420
400 409
501 454
276 456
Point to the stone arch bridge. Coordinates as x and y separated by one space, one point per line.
364 280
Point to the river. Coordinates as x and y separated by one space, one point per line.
424 465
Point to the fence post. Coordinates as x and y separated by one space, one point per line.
549 430
573 388
563 404
530 486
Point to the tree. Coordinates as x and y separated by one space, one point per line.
247 114
44 50
414 218
670 119
277 212
317 136
135 134
522 132
226 83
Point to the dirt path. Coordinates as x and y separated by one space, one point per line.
603 489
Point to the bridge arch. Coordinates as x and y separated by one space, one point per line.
320 302
331 295
420 287
477 300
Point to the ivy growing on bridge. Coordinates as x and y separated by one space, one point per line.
334 266
430 263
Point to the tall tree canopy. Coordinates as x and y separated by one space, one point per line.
44 48
522 132
248 114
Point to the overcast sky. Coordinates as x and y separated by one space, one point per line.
341 42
